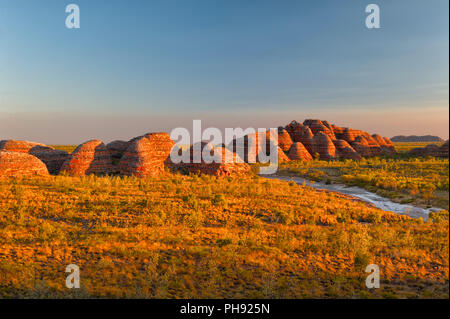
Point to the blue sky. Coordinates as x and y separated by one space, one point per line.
139 66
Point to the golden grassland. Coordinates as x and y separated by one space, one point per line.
68 148
421 181
202 237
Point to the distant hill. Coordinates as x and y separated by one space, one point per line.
414 138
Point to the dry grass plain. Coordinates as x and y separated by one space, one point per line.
202 237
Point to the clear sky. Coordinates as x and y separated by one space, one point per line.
140 66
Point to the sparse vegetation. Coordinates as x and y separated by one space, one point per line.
421 181
404 147
68 148
202 237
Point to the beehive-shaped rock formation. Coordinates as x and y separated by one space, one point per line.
385 144
51 157
344 150
338 131
91 157
361 145
253 146
299 152
323 145
284 140
146 155
317 126
219 161
15 164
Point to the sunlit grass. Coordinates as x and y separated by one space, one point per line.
68 148
202 237
422 181
403 147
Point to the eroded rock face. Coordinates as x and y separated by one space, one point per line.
361 145
350 135
380 140
51 157
282 157
388 147
117 148
323 145
219 162
15 164
18 146
88 158
317 126
284 140
293 129
338 131
375 148
299 152
252 146
344 150
146 155
388 142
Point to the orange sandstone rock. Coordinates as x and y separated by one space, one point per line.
51 157
344 150
284 139
91 157
317 126
323 145
146 155
219 162
299 152
14 164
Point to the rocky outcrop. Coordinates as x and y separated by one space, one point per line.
15 164
380 140
344 150
299 152
431 150
358 143
338 131
51 157
317 126
293 129
18 146
146 155
252 146
91 157
350 135
323 145
388 142
219 162
282 157
385 144
375 148
361 145
284 140
117 148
